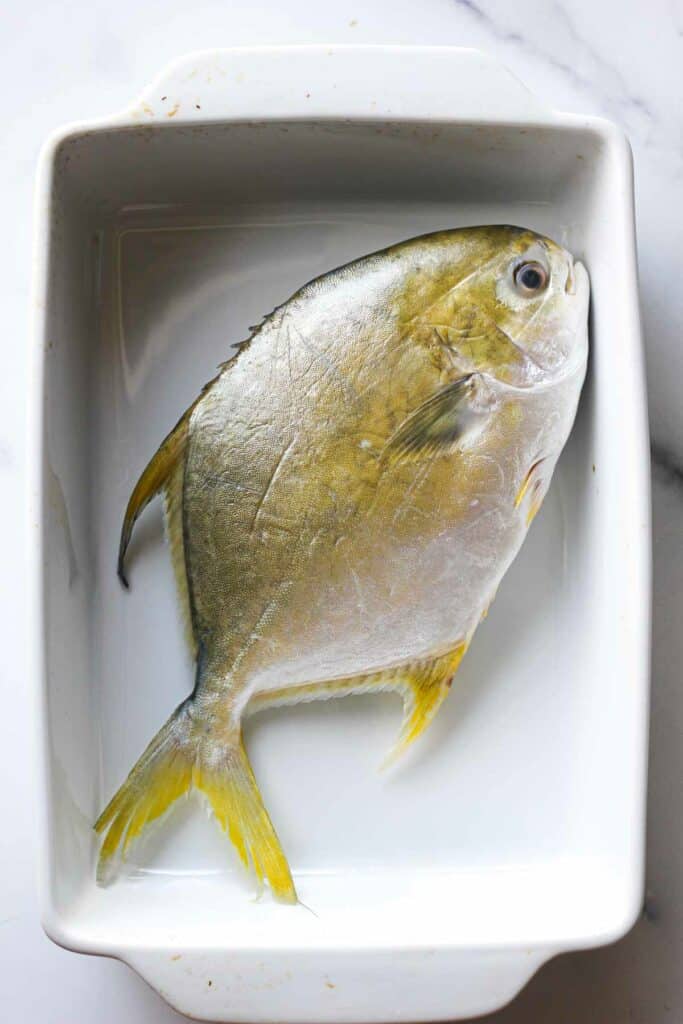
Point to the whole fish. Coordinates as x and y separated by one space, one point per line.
343 499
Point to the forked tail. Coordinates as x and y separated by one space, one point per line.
182 756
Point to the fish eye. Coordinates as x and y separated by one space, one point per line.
531 278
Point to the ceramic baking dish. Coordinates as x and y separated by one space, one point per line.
516 830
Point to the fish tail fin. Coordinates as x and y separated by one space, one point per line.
157 780
182 756
232 791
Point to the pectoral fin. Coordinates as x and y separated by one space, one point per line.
437 426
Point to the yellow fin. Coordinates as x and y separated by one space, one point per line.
236 801
171 451
307 692
526 482
424 685
157 474
159 778
535 503
185 754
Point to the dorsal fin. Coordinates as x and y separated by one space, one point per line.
158 471
157 474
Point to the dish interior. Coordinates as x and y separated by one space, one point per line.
512 820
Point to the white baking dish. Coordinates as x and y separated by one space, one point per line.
516 830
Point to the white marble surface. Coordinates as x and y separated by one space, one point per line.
76 60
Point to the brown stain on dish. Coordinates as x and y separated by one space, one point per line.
177 956
174 110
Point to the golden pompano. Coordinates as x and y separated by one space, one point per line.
343 499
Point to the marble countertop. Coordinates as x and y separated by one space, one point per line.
62 62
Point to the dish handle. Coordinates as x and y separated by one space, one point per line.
427 83
337 987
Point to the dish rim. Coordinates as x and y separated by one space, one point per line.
328 107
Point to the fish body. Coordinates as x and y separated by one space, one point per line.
343 500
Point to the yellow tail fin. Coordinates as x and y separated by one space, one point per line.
236 802
182 756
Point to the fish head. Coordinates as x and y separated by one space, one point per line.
507 302
541 304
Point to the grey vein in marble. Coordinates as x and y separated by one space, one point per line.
617 100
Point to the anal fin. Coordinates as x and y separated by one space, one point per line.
425 687
423 684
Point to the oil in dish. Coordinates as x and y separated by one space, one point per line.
344 498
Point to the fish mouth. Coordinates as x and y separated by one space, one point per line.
576 274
